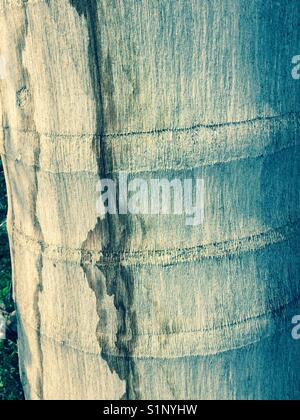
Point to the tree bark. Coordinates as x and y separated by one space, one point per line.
143 307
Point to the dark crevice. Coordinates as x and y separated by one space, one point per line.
106 236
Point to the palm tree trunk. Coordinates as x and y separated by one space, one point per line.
138 306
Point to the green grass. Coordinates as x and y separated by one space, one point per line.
10 386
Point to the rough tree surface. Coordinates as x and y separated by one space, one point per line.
143 307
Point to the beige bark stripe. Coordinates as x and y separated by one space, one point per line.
162 257
170 149
200 341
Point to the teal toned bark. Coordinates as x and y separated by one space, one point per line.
137 306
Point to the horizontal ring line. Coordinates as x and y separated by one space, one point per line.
39 168
165 257
154 132
62 343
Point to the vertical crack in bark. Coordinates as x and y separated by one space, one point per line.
26 109
121 287
114 281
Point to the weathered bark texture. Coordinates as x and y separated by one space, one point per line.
141 307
